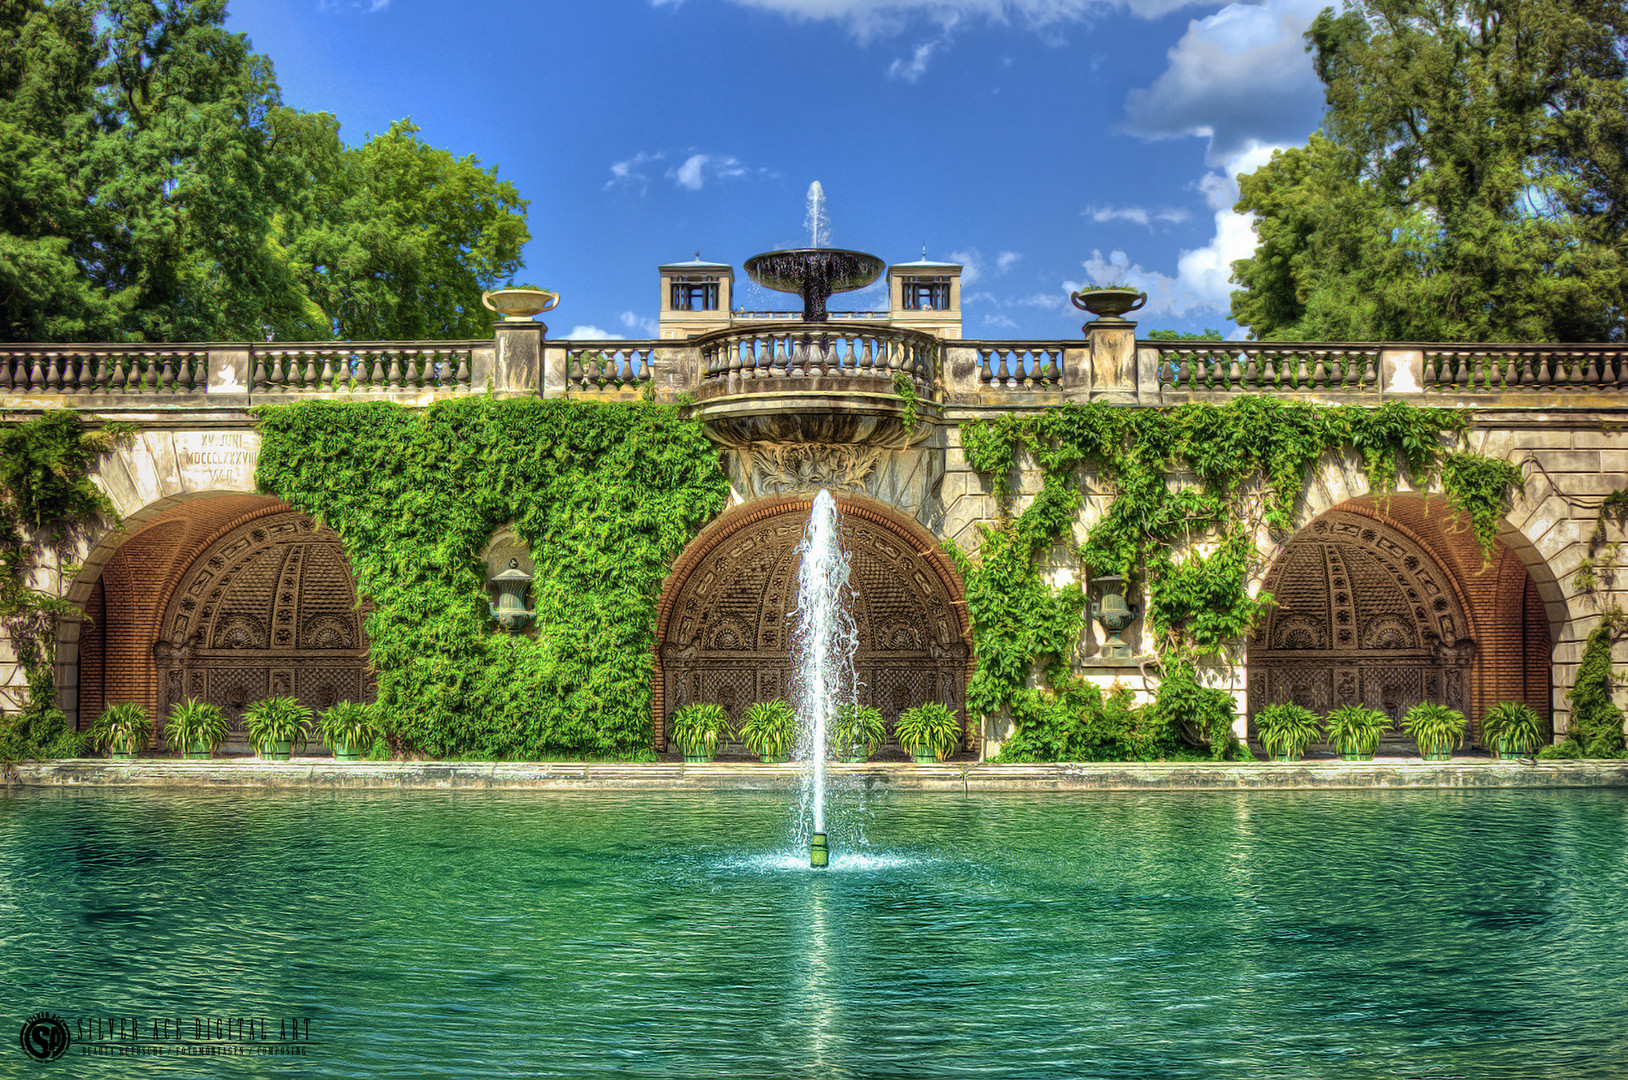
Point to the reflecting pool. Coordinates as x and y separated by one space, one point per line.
1319 934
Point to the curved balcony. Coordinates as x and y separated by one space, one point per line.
816 382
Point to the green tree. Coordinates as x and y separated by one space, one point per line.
1468 183
396 239
153 187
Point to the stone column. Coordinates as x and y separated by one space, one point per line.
1113 359
517 357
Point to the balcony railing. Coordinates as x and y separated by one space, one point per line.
821 356
832 359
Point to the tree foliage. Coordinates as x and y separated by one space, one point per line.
1469 183
153 187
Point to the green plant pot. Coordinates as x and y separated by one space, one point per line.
1285 756
1436 755
696 759
277 751
1356 755
923 755
197 750
1508 751
347 752
774 759
121 755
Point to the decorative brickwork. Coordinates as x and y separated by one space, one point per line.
1387 603
725 620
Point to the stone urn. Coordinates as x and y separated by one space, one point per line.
519 305
510 610
1114 612
1109 303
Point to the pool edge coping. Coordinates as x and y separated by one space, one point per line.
325 774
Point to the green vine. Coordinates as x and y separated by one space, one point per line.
905 387
47 503
1186 491
606 495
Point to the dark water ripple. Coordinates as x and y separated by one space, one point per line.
1338 934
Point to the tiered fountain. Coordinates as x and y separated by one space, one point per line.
817 271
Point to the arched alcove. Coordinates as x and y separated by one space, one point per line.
724 625
226 598
1389 602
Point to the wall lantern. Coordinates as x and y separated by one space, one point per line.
510 610
1114 613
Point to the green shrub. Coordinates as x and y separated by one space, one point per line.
1187 711
1436 728
348 723
41 729
123 728
857 731
695 729
1081 723
932 726
769 728
1511 723
1356 729
193 721
1286 729
277 720
1596 721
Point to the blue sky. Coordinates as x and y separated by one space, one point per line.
1042 143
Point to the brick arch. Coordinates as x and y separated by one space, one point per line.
907 565
128 585
1506 636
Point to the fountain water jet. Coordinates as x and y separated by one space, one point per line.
825 643
818 221
817 271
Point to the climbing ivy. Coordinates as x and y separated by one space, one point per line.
47 503
1186 490
1596 721
605 494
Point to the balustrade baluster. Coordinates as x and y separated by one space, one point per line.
54 374
1003 374
1592 376
1574 371
395 376
325 379
1319 373
7 362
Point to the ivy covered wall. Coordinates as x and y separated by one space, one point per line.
605 494
1187 490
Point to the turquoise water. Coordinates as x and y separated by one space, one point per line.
1332 934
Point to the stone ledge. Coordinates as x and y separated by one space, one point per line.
320 773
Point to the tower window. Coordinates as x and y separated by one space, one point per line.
927 294
695 294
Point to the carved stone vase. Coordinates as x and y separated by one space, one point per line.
1114 612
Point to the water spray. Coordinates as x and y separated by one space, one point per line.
826 642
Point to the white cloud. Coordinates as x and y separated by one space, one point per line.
1136 215
647 326
916 67
366 7
699 168
581 332
1001 321
1238 76
973 265
631 171
1201 281
868 19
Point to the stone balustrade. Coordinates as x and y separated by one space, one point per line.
779 358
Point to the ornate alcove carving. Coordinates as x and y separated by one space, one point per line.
1364 615
727 620
270 608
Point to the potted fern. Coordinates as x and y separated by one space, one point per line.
930 732
277 726
349 728
695 729
1437 729
857 732
196 728
769 730
1285 730
1511 729
1354 730
121 730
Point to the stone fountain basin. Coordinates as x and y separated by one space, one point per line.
837 268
